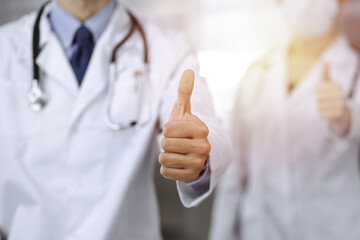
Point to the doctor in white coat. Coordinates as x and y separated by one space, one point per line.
296 126
64 174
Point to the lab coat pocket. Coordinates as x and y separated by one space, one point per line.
17 119
131 103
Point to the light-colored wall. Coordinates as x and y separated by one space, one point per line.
12 9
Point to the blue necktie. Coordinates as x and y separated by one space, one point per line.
80 59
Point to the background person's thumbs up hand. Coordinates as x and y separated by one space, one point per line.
331 100
185 142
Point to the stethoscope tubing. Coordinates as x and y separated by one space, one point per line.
38 98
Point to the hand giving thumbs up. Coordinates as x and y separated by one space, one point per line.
331 100
185 142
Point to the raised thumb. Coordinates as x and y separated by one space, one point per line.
185 88
325 72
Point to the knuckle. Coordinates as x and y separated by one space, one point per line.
204 130
201 148
164 143
205 147
164 172
162 159
199 164
166 129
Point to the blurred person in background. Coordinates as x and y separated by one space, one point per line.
78 143
296 128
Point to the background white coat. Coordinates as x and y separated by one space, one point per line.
302 181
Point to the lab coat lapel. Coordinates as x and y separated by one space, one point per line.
307 85
54 63
96 77
52 59
280 85
301 88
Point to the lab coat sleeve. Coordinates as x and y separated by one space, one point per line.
203 182
201 106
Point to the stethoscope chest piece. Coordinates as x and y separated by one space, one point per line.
37 98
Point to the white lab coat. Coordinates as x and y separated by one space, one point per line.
63 173
302 179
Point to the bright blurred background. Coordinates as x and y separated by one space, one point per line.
228 35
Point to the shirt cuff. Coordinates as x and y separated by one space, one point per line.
203 182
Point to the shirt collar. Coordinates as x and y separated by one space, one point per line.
65 25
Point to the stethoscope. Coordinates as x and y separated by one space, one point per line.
37 97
